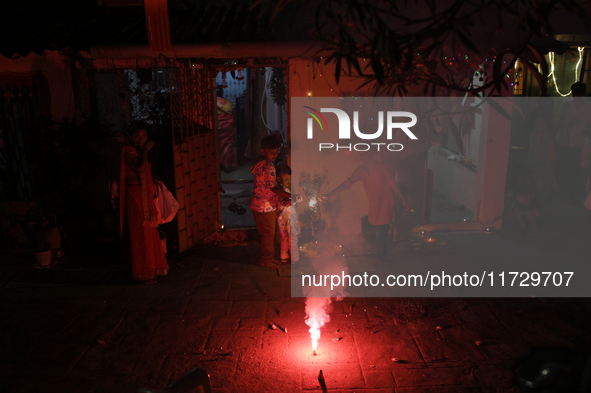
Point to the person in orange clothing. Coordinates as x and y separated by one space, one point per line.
380 188
138 216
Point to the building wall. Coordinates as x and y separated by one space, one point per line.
55 66
494 160
453 181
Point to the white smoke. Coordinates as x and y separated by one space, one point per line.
319 298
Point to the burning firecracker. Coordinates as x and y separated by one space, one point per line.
316 317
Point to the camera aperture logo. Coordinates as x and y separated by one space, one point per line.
392 123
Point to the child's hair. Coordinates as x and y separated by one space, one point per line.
282 169
270 142
135 126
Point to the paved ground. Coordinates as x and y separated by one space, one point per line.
82 326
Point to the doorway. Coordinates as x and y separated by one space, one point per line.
251 103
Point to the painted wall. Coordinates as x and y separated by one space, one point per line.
55 66
494 160
453 181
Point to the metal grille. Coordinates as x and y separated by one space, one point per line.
125 95
195 153
148 93
192 107
108 100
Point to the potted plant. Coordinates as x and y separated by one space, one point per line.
306 218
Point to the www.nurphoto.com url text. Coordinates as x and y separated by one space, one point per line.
433 281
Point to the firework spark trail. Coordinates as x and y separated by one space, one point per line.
319 298
316 317
313 201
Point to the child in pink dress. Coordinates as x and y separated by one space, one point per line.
262 203
287 219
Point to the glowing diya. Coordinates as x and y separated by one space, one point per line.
431 241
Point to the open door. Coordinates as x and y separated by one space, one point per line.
195 152
248 111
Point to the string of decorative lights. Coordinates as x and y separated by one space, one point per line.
552 56
581 50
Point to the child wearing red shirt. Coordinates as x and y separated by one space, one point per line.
262 202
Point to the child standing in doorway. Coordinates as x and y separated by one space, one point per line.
287 219
262 202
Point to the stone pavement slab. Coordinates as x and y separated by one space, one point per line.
215 310
448 376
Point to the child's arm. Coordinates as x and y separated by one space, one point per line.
340 188
354 178
281 193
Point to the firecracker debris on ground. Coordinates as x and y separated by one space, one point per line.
84 326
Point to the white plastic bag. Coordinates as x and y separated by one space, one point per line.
166 205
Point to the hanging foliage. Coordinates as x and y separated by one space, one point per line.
434 45
278 87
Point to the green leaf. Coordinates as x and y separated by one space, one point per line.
497 68
469 44
356 65
495 105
